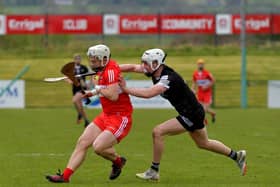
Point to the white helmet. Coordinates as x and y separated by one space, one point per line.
100 51
154 55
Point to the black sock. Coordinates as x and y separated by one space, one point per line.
155 166
86 123
233 155
80 116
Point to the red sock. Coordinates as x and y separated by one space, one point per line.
67 174
118 161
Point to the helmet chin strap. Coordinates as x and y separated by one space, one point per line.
148 74
98 69
101 67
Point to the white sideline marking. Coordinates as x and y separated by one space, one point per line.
34 154
40 154
49 154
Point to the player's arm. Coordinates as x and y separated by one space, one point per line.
131 68
212 80
83 79
194 85
111 91
143 92
210 83
146 92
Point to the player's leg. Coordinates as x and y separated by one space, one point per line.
117 127
201 139
207 101
210 111
170 127
202 100
103 145
77 100
78 155
83 143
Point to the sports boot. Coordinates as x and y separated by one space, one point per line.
58 178
213 118
150 174
116 170
241 161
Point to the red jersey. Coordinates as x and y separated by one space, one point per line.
203 78
111 75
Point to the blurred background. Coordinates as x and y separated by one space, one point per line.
48 48
146 7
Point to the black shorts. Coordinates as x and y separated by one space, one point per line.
76 89
194 121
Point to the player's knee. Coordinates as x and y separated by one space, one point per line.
157 132
202 144
74 100
82 143
97 148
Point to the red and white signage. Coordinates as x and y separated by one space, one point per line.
74 24
255 24
138 24
275 24
111 24
223 24
2 24
25 24
188 23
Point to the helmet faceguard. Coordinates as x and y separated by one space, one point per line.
153 56
100 52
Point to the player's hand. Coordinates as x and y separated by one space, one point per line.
68 81
87 94
204 88
95 79
193 90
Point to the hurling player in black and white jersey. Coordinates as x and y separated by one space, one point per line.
171 86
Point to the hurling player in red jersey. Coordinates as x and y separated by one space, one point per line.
111 125
203 82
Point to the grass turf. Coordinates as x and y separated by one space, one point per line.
35 142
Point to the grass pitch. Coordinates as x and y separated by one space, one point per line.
35 142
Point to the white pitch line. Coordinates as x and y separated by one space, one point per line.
39 154
35 154
49 154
